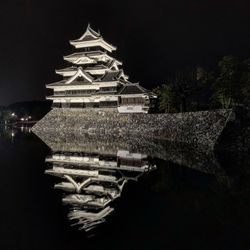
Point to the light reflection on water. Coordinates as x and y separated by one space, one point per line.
155 190
11 132
91 182
92 170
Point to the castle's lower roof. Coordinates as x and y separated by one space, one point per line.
132 88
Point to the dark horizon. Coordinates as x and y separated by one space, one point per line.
153 38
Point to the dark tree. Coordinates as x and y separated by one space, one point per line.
182 91
166 98
228 85
187 86
245 81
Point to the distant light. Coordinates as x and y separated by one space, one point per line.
12 134
13 114
30 117
22 119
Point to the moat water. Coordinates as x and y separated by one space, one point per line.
87 193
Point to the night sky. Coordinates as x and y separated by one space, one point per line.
154 38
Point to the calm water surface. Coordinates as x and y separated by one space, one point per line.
97 195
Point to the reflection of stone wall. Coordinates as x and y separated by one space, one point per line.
195 127
198 158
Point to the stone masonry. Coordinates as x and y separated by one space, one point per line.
202 127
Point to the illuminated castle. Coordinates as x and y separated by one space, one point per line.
96 81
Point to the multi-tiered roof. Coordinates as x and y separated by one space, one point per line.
96 80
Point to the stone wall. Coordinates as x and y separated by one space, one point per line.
194 127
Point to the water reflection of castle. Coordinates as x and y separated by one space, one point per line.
94 168
91 182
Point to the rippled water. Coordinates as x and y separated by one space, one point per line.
101 192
